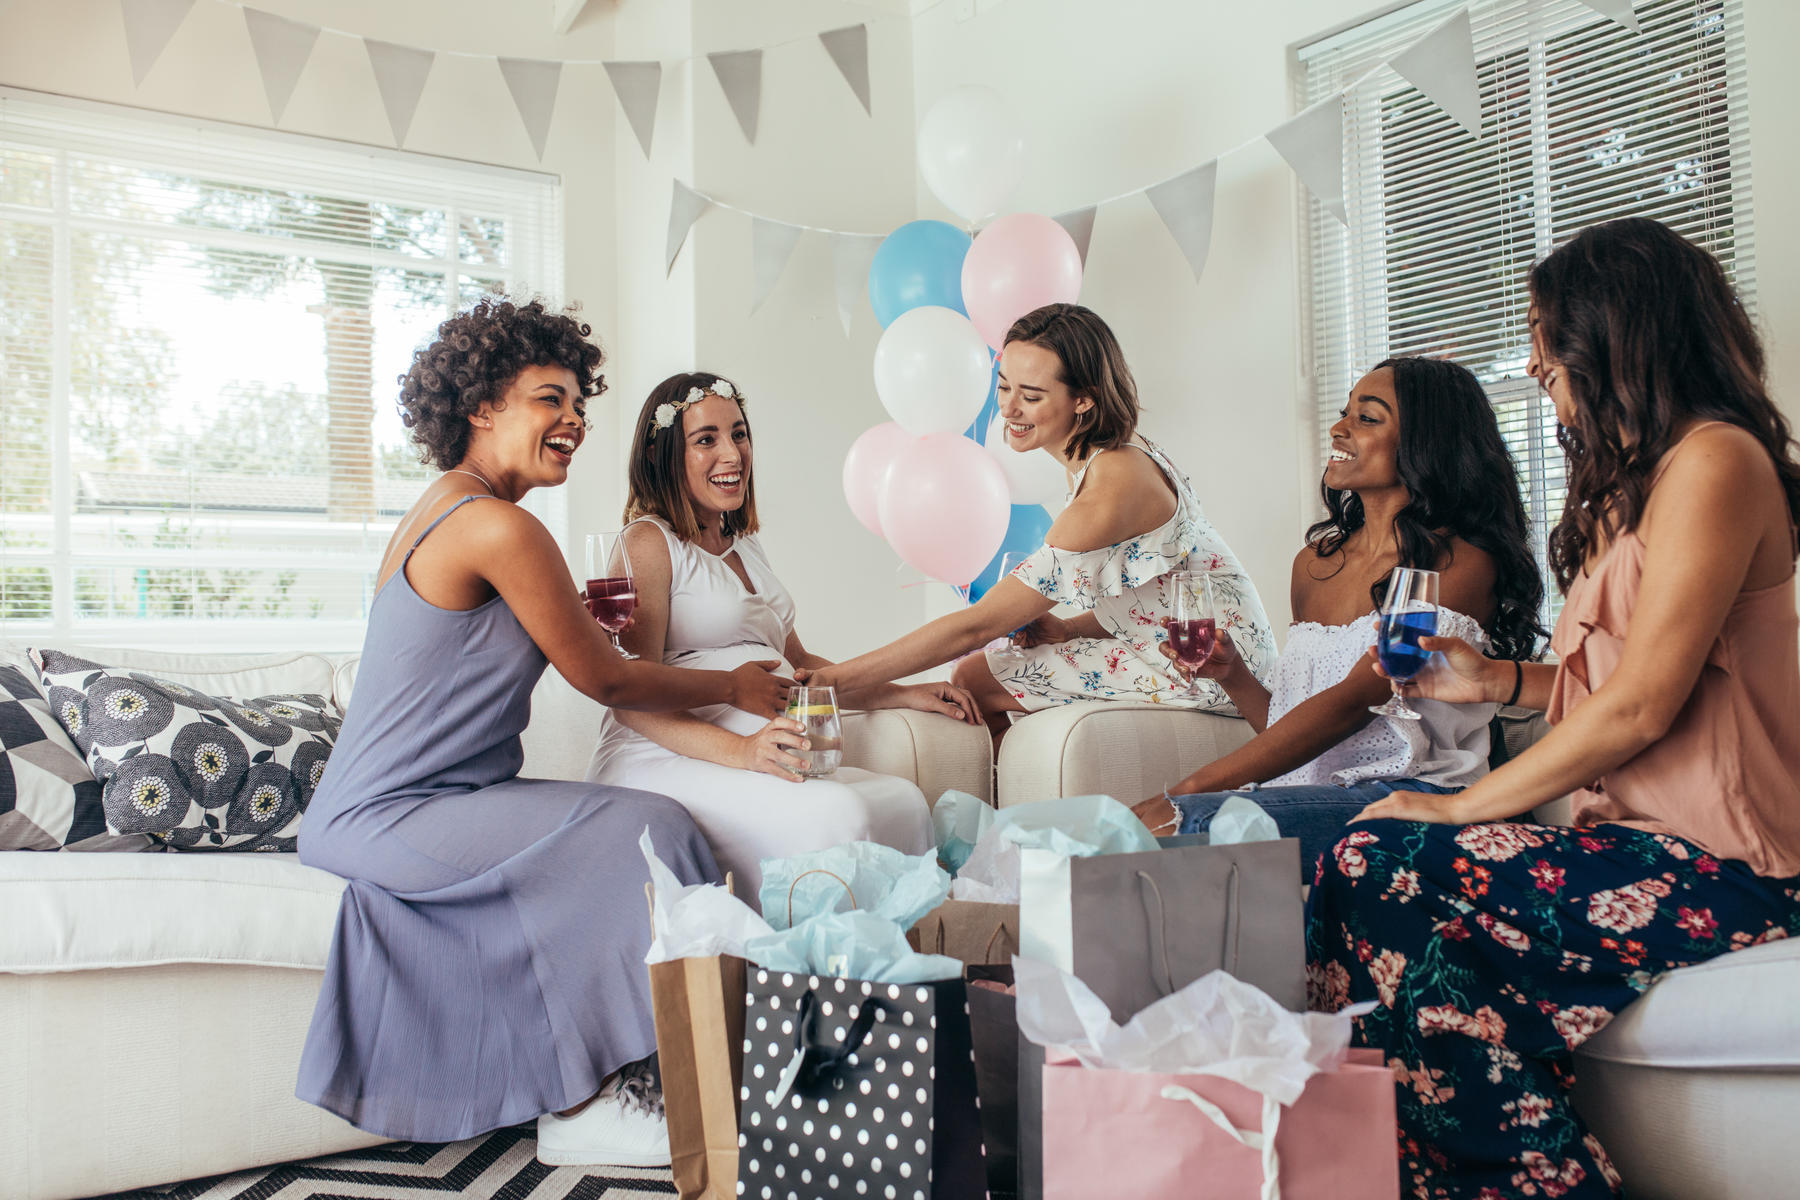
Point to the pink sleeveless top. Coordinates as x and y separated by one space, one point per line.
1727 774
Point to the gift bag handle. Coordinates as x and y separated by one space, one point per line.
987 955
1262 1140
809 1064
803 875
1228 957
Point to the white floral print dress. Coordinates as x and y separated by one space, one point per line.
1126 587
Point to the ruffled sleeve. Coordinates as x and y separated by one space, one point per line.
1083 577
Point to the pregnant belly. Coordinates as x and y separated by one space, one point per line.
726 658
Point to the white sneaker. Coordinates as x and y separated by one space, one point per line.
605 1133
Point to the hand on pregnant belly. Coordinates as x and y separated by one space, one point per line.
770 749
757 687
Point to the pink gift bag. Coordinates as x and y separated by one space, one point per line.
1152 1137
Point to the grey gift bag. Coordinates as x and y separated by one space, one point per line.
1137 927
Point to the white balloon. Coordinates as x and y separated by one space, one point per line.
932 371
972 151
1034 476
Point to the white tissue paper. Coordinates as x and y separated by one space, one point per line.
696 920
1073 826
1217 1025
1240 820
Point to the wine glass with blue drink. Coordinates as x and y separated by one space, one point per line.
1408 612
1010 655
1193 630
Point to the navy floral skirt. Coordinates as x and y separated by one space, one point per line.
1496 950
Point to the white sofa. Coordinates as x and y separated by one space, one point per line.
153 1006
1693 1089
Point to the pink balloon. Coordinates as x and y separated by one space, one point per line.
945 506
866 464
1019 263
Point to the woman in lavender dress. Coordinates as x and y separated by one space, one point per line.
487 966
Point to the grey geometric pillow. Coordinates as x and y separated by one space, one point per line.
195 771
49 800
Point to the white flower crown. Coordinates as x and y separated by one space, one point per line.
667 411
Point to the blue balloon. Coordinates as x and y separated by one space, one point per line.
919 263
978 431
1025 532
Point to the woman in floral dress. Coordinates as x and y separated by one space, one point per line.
1496 949
1064 388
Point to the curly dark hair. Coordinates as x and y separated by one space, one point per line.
1460 482
1651 335
476 356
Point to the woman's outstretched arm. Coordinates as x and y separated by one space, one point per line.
516 555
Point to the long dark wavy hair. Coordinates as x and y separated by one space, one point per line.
1650 335
1460 482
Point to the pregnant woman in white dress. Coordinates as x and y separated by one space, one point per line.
707 596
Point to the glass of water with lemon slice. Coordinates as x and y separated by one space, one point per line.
816 709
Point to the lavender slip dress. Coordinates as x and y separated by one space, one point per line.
488 962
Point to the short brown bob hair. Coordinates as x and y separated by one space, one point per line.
658 469
1093 365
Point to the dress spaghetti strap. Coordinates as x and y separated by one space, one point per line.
439 521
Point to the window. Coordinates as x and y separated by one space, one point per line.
200 330
1582 121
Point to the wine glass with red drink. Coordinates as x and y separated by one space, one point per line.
611 593
1192 628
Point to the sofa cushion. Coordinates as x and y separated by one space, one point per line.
1734 1012
187 768
75 912
49 800
294 673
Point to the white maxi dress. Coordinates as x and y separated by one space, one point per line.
747 816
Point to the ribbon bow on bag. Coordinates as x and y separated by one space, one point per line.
812 1068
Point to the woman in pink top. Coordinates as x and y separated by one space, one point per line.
1496 948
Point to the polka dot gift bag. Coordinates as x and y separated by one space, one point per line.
857 1088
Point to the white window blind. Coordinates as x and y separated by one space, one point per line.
1582 121
200 331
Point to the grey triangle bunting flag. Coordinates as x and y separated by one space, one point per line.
533 83
852 254
740 75
771 245
849 49
1185 204
638 86
1442 65
282 48
685 207
1080 224
1622 11
1313 144
400 74
149 25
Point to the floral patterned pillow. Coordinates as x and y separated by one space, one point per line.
196 772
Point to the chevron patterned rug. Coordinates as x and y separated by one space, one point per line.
500 1166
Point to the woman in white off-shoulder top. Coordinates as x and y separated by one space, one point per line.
1064 389
1418 476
